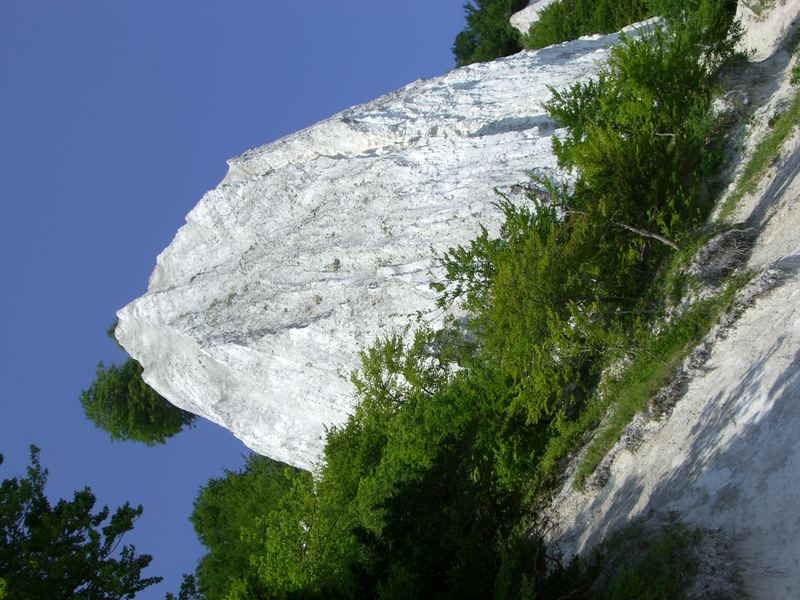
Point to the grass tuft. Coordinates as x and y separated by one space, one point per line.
759 7
766 152
654 365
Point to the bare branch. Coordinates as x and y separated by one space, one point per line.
635 230
648 234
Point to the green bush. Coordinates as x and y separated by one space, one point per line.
657 565
488 34
642 560
570 19
224 509
567 20
122 404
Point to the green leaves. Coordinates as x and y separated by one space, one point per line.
569 19
286 559
488 34
640 141
566 20
122 404
226 518
66 550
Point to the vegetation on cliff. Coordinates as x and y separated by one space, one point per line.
433 486
570 19
768 150
489 35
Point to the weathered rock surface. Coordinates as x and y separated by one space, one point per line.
316 244
523 19
767 25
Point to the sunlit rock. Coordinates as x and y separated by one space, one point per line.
317 244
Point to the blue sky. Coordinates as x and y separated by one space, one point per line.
115 117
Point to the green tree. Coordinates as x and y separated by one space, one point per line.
640 142
225 508
431 487
65 551
488 34
188 590
121 403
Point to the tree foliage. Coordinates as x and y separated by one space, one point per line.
570 19
65 550
638 140
566 20
488 34
122 404
188 590
224 510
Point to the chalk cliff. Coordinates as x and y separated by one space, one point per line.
314 245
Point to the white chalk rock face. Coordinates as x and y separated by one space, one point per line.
319 243
523 19
767 29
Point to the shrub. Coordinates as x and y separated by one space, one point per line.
566 20
570 19
431 488
224 509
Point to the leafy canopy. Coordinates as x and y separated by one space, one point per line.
122 404
66 550
224 509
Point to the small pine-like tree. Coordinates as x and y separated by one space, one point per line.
122 404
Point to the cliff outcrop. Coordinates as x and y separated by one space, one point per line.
317 244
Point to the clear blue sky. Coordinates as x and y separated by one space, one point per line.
115 117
